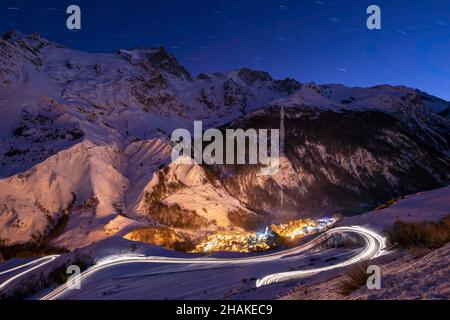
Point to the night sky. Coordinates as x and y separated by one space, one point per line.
322 41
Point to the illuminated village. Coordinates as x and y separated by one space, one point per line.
272 237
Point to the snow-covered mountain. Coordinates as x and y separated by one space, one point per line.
85 144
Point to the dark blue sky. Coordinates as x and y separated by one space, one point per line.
322 41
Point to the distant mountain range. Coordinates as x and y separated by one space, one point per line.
85 145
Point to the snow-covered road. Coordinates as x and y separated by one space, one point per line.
35 264
375 244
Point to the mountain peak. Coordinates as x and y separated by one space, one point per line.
250 76
158 58
12 34
15 36
162 59
30 43
71 118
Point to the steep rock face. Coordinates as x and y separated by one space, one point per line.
186 196
85 140
341 161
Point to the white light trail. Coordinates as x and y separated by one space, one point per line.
43 261
375 244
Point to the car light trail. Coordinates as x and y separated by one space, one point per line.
40 262
375 244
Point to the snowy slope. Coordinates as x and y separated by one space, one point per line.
406 274
85 139
424 206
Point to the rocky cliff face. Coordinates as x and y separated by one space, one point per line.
344 160
86 138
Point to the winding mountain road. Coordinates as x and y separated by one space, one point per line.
35 264
375 244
